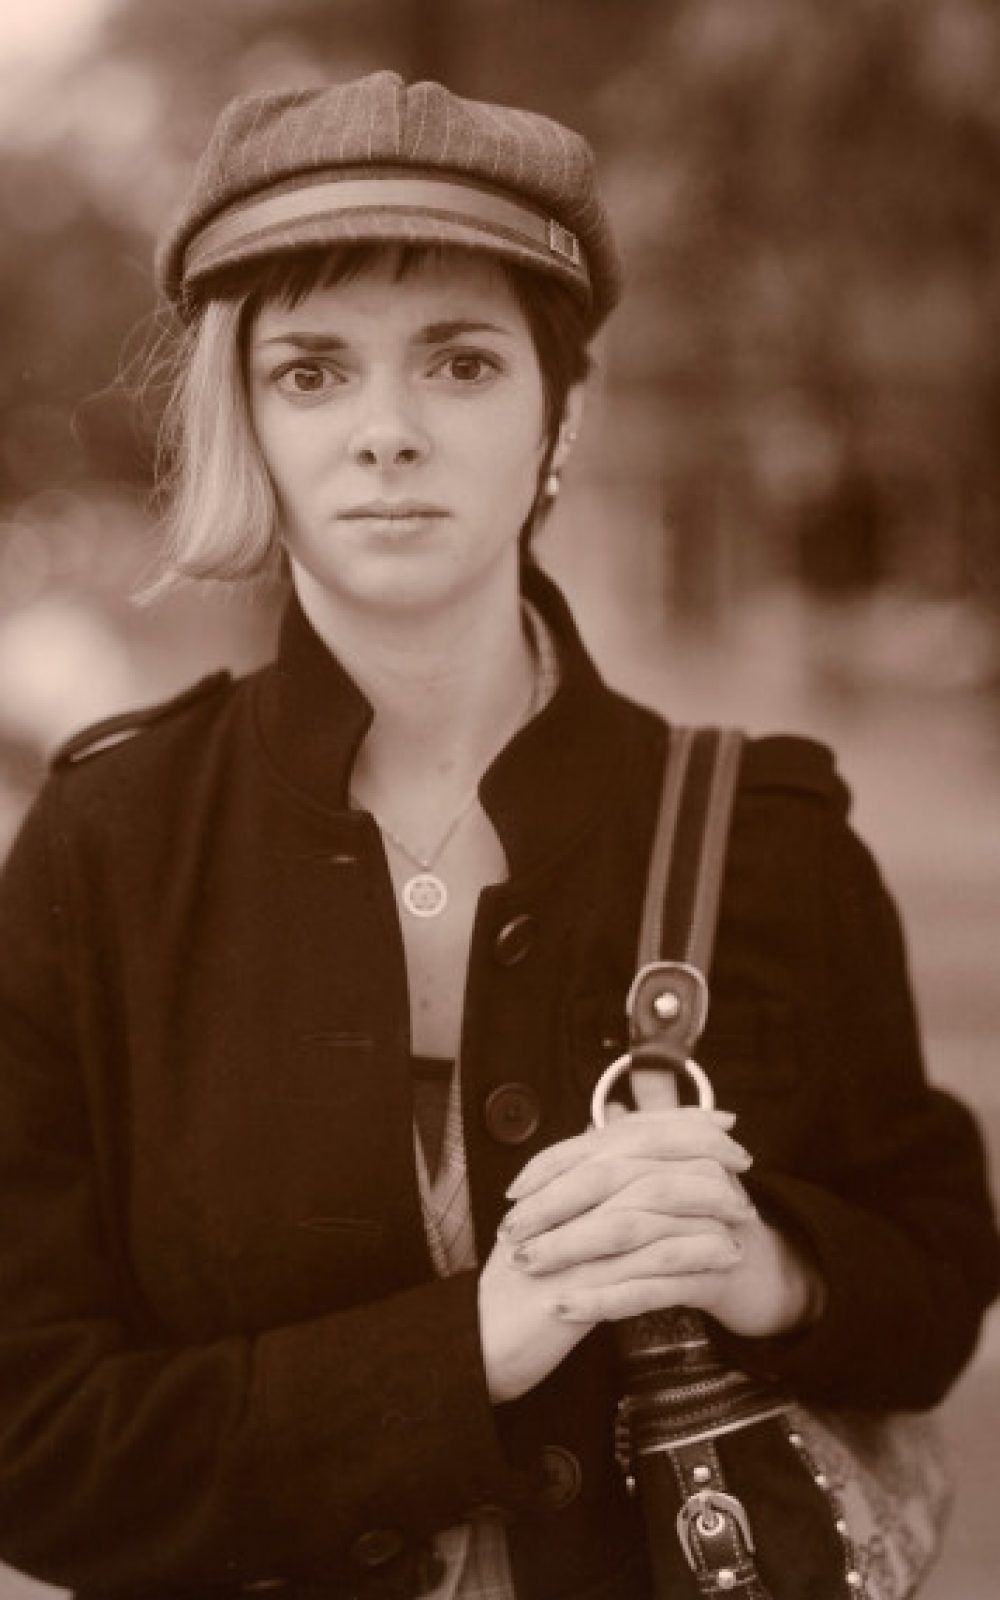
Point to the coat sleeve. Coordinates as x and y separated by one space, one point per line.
892 1201
322 1446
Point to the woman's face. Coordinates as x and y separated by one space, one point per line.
401 422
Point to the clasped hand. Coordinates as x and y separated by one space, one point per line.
644 1214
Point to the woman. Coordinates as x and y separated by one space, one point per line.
308 977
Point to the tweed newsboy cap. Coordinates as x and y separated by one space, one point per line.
379 159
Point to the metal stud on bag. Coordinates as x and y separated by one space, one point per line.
676 996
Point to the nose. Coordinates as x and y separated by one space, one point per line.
387 433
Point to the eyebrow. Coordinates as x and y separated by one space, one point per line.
433 333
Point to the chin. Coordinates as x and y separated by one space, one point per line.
389 594
405 584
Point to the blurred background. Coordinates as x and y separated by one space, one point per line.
784 508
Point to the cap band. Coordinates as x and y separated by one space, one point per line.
431 200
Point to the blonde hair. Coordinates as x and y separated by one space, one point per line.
219 518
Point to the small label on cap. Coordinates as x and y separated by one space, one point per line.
564 243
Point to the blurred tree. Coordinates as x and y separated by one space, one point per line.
816 242
71 282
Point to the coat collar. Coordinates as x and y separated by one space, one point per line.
541 791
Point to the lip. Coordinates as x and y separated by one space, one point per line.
391 511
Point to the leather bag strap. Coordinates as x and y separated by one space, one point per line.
688 857
661 855
667 1004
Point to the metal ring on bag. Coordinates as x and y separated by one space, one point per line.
622 1064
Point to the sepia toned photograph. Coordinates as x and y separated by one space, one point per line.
499 799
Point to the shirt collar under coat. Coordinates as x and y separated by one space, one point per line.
540 792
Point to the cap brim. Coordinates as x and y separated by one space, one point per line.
384 209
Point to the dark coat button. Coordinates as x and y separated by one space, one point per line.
514 940
512 1113
562 1476
376 1548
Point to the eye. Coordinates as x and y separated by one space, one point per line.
306 380
469 367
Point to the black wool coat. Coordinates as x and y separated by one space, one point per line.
224 1354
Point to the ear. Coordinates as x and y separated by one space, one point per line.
569 427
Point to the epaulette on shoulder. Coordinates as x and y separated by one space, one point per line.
788 761
104 735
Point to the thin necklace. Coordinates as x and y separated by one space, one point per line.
425 893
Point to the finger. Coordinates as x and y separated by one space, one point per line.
685 1188
569 1194
605 1233
551 1163
614 1302
689 1188
681 1134
678 1133
691 1273
708 1250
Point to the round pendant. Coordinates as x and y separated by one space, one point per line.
424 895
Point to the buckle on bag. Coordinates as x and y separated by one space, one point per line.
705 1512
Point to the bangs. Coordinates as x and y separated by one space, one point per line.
288 279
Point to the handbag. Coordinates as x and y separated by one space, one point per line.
744 1490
